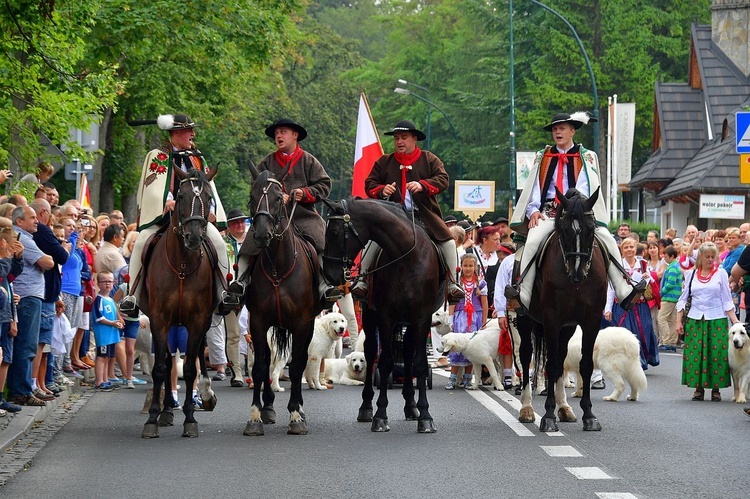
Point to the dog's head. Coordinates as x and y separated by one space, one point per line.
441 322
454 342
335 324
738 335
356 362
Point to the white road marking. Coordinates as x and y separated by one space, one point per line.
561 451
615 495
589 473
505 416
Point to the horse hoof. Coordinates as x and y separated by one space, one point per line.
526 415
166 419
150 430
364 415
210 404
297 428
591 424
426 426
380 425
548 425
565 415
411 413
253 429
190 430
268 416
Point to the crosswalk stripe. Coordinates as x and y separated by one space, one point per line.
615 495
589 473
561 451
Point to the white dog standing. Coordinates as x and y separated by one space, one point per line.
328 331
479 348
617 354
739 362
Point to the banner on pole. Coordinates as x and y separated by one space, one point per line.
623 136
367 149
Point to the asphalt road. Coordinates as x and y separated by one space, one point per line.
663 446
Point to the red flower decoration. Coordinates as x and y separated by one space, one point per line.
161 169
153 166
229 277
161 156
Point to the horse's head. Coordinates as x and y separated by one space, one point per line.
192 205
266 205
576 226
343 242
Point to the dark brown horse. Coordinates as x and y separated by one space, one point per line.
282 295
405 289
180 291
571 291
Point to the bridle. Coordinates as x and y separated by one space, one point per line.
200 216
586 256
261 210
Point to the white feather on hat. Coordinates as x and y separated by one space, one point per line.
165 121
581 116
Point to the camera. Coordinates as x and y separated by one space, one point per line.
9 174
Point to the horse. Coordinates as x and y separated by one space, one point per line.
179 280
405 290
571 289
282 294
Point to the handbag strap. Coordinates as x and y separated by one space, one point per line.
690 284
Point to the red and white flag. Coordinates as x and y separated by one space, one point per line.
368 148
84 196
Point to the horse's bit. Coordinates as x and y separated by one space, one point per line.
586 256
346 262
200 217
267 211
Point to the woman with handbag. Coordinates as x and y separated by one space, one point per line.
705 304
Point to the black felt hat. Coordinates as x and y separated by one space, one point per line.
235 214
501 220
564 118
301 132
175 122
407 126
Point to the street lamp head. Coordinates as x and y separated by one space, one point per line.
403 82
402 91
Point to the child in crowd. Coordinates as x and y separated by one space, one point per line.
106 324
671 288
469 315
246 348
62 340
11 264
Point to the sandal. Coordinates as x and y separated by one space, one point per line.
698 395
715 395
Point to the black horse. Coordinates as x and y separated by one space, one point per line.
570 291
405 289
282 295
179 277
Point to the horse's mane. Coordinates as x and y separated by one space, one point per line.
393 208
575 209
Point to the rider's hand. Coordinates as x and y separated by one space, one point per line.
389 189
286 198
297 194
169 205
534 220
414 187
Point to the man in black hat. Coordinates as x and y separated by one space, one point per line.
413 178
450 221
156 200
502 227
305 183
563 166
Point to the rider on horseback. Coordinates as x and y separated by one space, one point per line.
413 178
564 166
306 183
156 200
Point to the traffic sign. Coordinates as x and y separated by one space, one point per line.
742 121
744 168
75 168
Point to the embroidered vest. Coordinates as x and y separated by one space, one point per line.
547 170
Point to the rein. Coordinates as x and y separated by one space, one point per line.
586 256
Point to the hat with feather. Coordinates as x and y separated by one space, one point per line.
577 119
171 122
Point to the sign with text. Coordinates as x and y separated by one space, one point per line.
474 196
722 206
524 165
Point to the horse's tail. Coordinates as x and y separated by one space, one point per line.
540 348
283 341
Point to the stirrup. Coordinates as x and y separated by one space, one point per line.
129 307
229 302
455 293
237 287
513 295
635 295
332 294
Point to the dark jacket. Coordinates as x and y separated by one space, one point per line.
48 243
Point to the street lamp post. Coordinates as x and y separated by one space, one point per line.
405 91
429 109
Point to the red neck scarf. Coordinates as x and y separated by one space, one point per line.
469 285
282 159
406 161
562 165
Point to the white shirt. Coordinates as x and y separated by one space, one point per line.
535 199
504 276
636 275
710 300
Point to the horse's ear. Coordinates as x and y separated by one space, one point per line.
253 170
561 197
212 173
592 200
181 175
333 205
282 175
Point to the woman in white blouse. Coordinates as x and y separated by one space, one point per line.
704 360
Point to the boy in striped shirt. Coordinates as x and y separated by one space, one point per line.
671 288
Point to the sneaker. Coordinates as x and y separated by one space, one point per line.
451 385
11 408
197 401
219 377
137 381
3 413
508 383
47 397
103 387
129 384
598 385
177 404
73 373
117 381
66 381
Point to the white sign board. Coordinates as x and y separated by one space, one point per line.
524 165
623 137
474 196
722 206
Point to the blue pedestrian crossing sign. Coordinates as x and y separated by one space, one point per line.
742 120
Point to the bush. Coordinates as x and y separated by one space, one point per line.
641 228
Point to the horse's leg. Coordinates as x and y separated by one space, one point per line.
300 343
551 334
385 368
525 326
258 330
268 413
208 397
410 405
189 371
564 413
590 331
369 326
166 417
151 428
425 424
